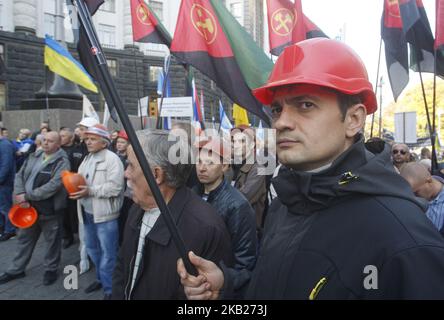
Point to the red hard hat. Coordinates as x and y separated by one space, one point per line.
321 62
122 134
22 217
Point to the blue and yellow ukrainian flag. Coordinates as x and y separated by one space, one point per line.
60 61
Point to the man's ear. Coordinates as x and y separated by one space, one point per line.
225 167
354 119
159 175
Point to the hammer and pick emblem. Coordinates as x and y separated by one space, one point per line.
394 8
204 22
143 14
283 21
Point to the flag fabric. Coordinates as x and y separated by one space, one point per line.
298 32
88 109
60 61
240 116
312 30
93 5
439 35
396 51
163 76
285 26
106 116
208 37
160 80
225 123
202 104
85 52
197 111
147 27
418 34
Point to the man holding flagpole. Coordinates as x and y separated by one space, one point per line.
345 225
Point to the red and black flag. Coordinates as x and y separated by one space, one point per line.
418 34
396 52
209 38
312 30
285 27
147 27
439 34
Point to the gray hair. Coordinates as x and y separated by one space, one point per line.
157 146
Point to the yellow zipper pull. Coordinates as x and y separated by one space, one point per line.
317 288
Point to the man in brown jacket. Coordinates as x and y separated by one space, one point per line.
244 174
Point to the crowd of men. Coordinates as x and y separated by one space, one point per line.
309 229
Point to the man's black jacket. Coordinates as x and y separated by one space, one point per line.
352 231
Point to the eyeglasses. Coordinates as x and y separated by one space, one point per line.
403 152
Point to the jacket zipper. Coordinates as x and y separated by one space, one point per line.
128 296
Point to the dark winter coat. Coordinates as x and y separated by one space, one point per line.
352 231
202 230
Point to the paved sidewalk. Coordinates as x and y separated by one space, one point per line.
31 286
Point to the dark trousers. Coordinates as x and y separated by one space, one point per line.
27 239
70 220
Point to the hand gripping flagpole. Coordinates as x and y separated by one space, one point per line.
109 89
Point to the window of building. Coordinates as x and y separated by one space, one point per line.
2 97
236 11
107 35
154 73
2 51
157 7
112 66
108 5
50 24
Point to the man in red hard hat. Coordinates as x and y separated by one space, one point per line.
344 224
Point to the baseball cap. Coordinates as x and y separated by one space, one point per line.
88 122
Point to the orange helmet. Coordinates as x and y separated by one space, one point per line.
22 217
321 62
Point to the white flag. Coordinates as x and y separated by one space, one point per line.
106 116
88 109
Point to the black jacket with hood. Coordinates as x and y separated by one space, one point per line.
352 231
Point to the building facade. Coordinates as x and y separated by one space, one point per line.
134 66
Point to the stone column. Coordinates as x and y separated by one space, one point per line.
127 26
25 16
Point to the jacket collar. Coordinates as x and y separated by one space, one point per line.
246 167
55 156
99 156
160 233
216 191
356 172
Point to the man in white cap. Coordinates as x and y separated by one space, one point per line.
99 205
80 154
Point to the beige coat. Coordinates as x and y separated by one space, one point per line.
106 189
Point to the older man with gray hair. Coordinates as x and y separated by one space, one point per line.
146 264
